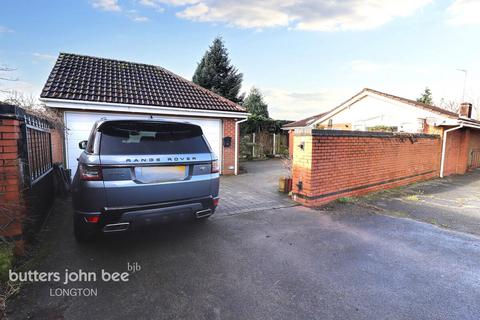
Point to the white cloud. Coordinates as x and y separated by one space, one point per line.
114 6
139 18
149 3
464 12
289 105
237 14
159 4
135 16
314 15
43 56
365 66
354 14
152 4
5 29
106 5
177 2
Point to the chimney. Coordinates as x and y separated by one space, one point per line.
465 110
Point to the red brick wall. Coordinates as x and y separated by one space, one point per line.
338 164
229 152
57 139
12 209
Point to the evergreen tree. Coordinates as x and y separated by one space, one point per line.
214 72
255 105
426 97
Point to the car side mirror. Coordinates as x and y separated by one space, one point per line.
82 144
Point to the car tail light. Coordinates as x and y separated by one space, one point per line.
215 167
215 201
89 173
92 219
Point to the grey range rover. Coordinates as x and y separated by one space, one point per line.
136 173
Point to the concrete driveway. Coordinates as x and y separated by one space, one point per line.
451 203
254 190
344 261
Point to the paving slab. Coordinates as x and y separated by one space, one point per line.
255 189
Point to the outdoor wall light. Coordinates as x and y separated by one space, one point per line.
300 185
302 145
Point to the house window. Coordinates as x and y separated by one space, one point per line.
421 125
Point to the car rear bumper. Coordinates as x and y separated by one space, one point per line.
115 219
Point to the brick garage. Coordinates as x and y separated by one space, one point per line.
334 164
85 89
462 151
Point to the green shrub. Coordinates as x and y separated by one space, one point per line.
6 260
382 129
346 200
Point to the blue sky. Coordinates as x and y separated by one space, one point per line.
306 56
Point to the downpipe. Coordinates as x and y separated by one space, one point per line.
237 142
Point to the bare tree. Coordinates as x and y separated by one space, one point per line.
4 70
454 106
450 105
7 69
34 106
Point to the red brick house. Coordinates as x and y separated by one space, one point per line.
370 110
84 89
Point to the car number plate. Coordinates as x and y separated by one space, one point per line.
160 174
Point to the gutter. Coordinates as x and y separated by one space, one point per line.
292 128
237 142
82 105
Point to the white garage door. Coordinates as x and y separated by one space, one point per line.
80 124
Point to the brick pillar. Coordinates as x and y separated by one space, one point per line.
290 143
57 140
12 203
302 165
229 152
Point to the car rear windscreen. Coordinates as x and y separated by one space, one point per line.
138 137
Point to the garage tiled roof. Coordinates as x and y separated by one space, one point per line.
86 78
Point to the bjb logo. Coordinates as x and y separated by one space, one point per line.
133 267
